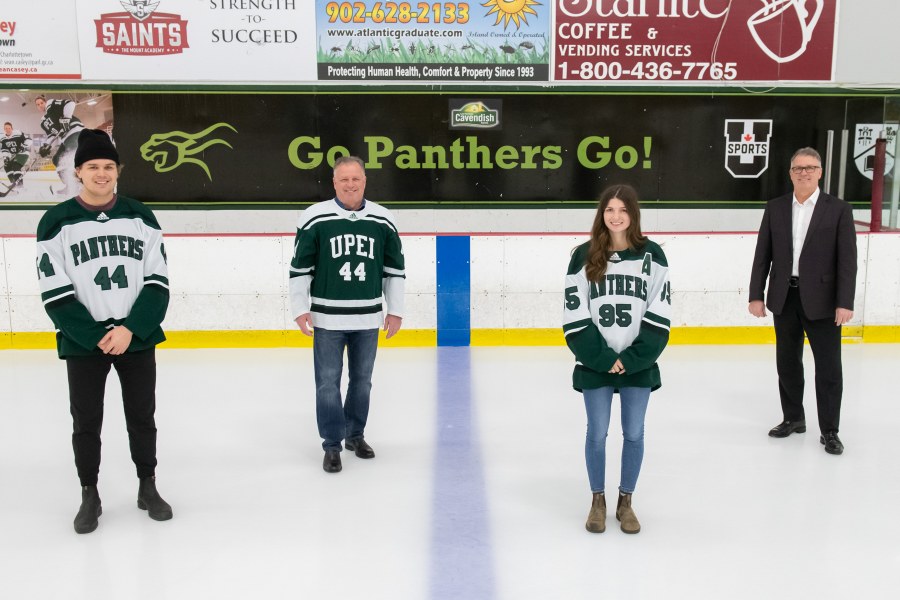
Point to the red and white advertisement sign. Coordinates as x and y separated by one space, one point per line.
38 40
695 40
141 32
230 41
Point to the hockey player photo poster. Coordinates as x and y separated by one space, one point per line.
38 140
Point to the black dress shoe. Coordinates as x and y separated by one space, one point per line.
832 442
786 428
332 462
362 449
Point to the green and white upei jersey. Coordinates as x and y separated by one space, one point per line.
625 316
344 263
99 269
14 144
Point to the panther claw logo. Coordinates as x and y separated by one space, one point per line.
168 151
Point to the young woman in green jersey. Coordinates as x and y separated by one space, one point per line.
616 322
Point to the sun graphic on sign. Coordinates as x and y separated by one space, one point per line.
510 10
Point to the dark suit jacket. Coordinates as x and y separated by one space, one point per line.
827 262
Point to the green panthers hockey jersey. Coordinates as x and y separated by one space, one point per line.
13 144
344 263
99 269
624 316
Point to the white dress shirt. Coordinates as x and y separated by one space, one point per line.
801 213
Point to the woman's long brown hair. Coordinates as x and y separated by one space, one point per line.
601 241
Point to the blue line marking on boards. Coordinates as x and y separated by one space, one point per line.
453 290
462 566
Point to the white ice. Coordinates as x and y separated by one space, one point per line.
478 490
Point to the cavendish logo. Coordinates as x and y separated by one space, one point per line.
747 147
864 146
474 115
510 10
168 151
783 28
141 31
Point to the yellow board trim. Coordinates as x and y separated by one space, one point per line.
517 337
407 338
418 338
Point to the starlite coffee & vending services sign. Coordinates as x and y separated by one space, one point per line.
694 40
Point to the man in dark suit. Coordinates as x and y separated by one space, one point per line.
807 248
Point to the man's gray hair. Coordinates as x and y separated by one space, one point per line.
343 160
811 152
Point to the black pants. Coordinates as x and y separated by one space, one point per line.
87 384
825 341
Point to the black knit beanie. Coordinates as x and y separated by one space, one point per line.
92 144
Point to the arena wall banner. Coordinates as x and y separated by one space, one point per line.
536 150
196 42
485 42
481 42
695 40
38 40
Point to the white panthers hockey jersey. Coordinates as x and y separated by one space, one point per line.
98 269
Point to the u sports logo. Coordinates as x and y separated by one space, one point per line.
747 147
168 151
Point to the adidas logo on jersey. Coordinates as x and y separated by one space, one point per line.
102 217
353 216
615 256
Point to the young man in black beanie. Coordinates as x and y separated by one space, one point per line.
104 282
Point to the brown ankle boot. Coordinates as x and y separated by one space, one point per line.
596 521
627 517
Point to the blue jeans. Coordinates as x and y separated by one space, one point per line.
598 403
343 420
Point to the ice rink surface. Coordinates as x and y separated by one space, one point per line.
478 490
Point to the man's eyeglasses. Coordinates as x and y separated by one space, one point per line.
806 169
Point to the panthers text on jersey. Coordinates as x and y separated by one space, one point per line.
624 316
99 269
